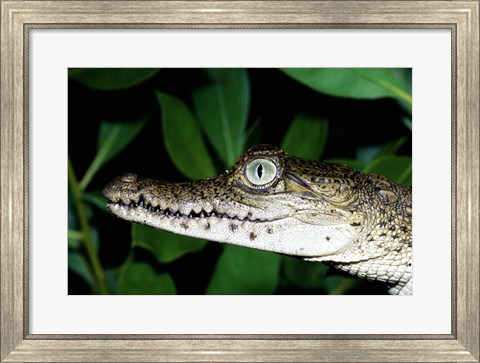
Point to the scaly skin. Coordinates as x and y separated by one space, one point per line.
360 223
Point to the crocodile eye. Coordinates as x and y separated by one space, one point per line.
261 171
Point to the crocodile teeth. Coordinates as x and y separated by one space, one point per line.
232 215
174 208
125 201
174 211
197 209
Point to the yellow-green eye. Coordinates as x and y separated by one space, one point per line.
261 171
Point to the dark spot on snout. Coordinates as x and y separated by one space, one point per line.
355 224
207 226
269 231
184 225
327 238
252 236
233 227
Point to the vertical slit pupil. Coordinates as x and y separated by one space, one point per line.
259 171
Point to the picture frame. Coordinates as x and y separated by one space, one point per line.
18 17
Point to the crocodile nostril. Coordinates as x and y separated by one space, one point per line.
128 178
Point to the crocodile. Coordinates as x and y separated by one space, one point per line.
318 211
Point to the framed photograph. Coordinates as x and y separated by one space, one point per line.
330 147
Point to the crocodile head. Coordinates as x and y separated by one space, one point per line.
267 200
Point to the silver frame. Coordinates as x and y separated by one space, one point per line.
18 17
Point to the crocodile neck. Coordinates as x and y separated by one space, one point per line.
360 223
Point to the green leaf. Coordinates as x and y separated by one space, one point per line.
72 222
140 278
166 246
106 79
95 236
96 199
304 274
78 264
113 137
245 271
360 83
183 139
253 135
396 168
405 76
306 137
407 122
340 285
111 277
369 153
221 105
74 235
366 154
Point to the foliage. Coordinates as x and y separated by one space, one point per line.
180 124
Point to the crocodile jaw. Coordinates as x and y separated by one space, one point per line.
287 235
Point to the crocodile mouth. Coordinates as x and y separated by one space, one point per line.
277 234
143 207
